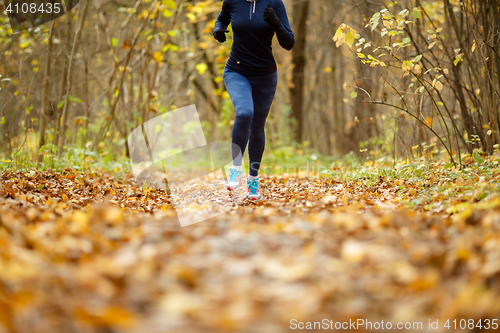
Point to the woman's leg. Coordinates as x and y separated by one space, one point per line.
240 91
264 89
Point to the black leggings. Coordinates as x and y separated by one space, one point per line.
252 98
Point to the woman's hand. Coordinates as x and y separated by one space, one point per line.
271 18
220 35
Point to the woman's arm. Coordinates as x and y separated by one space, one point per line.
284 32
224 17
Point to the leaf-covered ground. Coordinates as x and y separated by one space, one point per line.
90 253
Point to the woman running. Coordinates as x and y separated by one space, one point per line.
250 77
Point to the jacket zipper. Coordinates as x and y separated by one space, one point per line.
252 11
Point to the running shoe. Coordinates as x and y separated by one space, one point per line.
253 189
234 180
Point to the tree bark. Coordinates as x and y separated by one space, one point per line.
496 57
496 30
62 84
82 13
45 88
300 13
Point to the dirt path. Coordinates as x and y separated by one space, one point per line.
91 254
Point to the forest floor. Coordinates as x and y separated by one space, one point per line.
88 252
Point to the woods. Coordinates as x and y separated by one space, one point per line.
379 195
88 78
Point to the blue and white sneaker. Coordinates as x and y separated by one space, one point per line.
253 189
234 180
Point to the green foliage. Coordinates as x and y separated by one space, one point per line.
292 160
436 186
478 157
394 38
75 158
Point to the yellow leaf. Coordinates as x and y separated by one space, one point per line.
191 17
158 56
416 12
339 32
201 68
428 120
438 86
170 4
349 38
339 40
106 316
417 69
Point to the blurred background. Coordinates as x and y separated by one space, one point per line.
383 82
78 85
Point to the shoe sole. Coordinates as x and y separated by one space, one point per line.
233 188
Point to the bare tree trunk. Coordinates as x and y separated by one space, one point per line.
300 12
45 89
140 102
62 85
82 13
87 101
341 135
496 41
